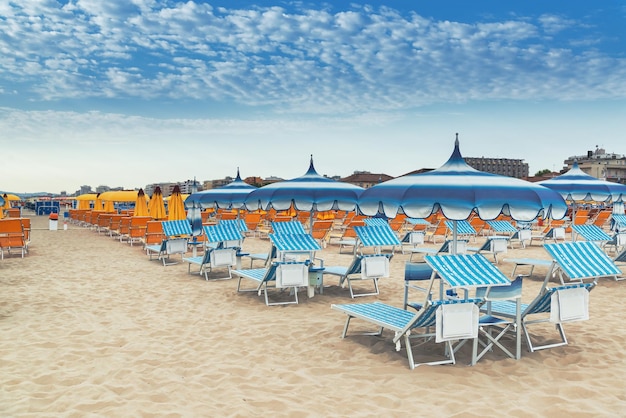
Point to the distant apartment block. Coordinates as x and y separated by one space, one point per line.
503 166
600 164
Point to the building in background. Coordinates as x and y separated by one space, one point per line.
503 166
600 164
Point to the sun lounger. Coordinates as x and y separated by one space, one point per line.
283 276
177 235
213 258
442 320
362 268
494 245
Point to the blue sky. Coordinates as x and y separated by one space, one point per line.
126 93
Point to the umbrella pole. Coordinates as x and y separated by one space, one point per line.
454 236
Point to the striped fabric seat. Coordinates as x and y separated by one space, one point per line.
462 227
404 323
467 270
176 228
618 221
582 260
375 222
222 233
376 236
591 233
294 242
291 227
502 227
236 224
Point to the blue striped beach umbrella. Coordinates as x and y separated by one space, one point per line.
458 189
310 192
576 185
230 196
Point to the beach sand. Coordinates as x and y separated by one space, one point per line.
90 327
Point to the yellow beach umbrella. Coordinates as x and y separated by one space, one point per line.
156 206
176 206
84 200
119 195
109 206
11 196
97 204
141 204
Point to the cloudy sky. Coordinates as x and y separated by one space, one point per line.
131 92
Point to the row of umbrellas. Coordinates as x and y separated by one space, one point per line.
455 189
154 207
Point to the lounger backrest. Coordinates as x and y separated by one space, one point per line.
582 260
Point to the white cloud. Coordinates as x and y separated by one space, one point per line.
297 60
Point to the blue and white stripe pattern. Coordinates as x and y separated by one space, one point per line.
467 270
310 192
290 227
294 242
591 233
618 221
376 236
502 226
236 224
578 185
458 189
462 227
582 260
221 233
176 228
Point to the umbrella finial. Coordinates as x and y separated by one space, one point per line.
311 167
238 176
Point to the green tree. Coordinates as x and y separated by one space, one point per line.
542 172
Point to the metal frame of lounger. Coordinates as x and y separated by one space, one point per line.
264 276
353 273
213 258
578 261
403 323
490 247
445 248
541 305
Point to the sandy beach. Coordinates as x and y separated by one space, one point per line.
91 327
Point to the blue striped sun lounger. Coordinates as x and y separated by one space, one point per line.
436 315
581 260
462 228
591 233
223 235
176 228
236 224
502 227
282 275
376 236
353 272
290 227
